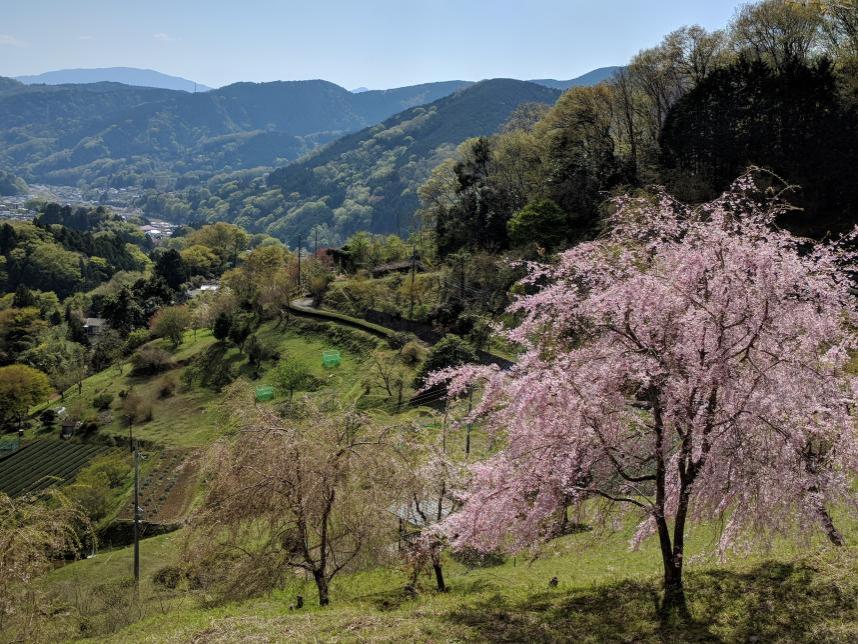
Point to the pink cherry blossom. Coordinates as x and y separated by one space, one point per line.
690 365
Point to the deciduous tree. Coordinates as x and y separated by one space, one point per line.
34 532
690 366
170 323
21 387
310 492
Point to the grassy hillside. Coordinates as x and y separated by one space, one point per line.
187 418
790 591
605 593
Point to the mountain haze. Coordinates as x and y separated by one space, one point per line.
124 75
114 132
593 77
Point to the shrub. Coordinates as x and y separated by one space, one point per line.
412 353
170 323
136 408
291 375
135 340
167 385
48 417
258 351
168 577
102 401
451 351
471 558
114 466
399 339
150 360
222 326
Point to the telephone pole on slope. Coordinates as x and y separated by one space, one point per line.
413 271
136 516
300 292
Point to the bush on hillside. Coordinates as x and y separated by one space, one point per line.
167 385
137 408
150 360
102 401
136 339
399 339
412 353
451 351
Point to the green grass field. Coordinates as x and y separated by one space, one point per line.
792 591
187 419
606 593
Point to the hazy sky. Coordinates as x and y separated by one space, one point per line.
373 43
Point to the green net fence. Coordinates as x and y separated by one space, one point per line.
331 358
264 393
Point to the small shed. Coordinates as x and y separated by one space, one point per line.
68 427
94 326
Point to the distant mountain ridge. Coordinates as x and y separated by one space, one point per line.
151 78
126 75
64 134
593 77
107 133
368 180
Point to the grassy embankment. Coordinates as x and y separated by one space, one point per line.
792 592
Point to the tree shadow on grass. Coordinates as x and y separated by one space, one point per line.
771 602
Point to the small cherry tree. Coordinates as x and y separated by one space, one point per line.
690 365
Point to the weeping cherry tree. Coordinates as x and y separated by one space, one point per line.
689 366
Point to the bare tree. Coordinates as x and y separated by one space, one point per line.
306 493
34 531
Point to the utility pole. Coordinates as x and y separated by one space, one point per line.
413 271
461 278
300 292
316 241
136 517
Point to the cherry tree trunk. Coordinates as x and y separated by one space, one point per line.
831 531
439 577
322 586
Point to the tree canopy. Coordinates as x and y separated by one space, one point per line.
691 365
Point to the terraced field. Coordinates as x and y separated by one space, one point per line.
43 463
167 490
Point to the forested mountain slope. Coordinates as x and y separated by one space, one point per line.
116 134
364 181
120 134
